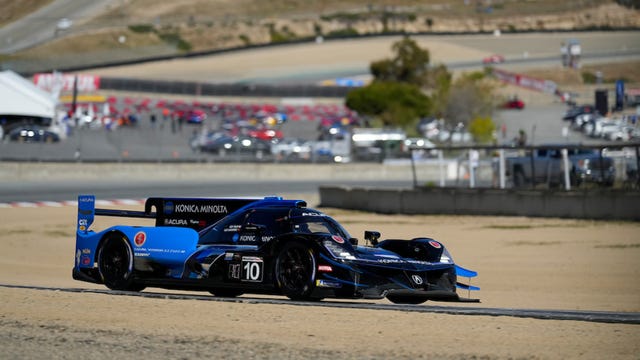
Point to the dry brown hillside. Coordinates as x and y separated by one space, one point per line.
153 27
13 10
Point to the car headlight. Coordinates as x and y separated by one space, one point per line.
446 257
338 251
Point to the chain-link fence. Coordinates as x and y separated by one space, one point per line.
535 167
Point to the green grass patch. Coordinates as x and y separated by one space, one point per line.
173 38
349 31
142 28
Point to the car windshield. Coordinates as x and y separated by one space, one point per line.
318 224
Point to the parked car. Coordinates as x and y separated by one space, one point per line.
64 24
514 103
586 166
493 59
620 133
33 134
456 135
196 116
419 148
265 134
581 120
224 145
572 112
291 149
430 127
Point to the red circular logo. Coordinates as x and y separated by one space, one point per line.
338 239
140 238
435 244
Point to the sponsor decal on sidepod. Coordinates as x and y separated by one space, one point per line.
140 238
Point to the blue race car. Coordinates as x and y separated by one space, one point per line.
232 246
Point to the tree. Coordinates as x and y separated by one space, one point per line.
482 129
396 94
469 97
410 64
439 81
394 103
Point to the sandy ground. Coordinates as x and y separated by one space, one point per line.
523 263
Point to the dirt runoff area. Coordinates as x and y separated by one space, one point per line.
522 262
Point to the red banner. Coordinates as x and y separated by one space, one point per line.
51 81
525 81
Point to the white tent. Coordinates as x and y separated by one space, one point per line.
20 97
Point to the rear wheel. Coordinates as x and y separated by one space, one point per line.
115 263
400 299
295 271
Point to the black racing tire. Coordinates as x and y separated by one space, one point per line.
295 271
400 299
226 292
115 264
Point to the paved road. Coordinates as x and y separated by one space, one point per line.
128 189
40 26
310 62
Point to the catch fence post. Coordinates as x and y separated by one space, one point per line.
441 165
502 169
565 162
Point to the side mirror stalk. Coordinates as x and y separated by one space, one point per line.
372 237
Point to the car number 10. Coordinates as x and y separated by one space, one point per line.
252 269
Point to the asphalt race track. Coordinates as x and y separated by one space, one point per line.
590 316
35 192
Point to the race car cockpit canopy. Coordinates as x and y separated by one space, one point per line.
310 221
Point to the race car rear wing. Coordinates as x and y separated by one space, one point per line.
195 213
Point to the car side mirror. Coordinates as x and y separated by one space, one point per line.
353 241
372 237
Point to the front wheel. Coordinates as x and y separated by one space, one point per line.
115 264
295 271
